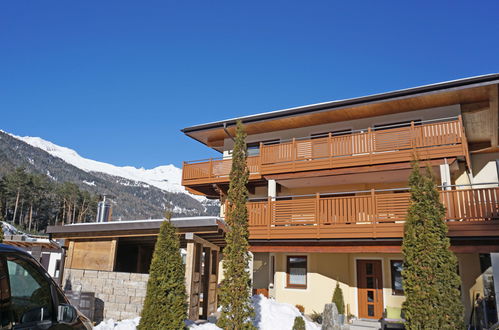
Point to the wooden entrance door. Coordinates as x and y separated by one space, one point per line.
370 289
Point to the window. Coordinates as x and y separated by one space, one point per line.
296 272
333 133
400 124
254 147
31 299
396 270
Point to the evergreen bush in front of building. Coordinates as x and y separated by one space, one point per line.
299 323
165 305
338 299
235 292
430 280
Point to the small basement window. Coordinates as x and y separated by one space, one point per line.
296 272
396 272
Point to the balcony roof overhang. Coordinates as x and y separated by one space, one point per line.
461 91
212 229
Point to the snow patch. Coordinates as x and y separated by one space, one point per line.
89 183
270 315
121 325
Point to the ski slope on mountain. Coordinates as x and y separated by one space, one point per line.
166 177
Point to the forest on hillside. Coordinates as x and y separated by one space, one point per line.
33 201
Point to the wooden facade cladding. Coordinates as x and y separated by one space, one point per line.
369 147
469 213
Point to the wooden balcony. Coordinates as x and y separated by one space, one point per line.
369 214
429 140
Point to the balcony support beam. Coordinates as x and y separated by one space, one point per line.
272 189
353 170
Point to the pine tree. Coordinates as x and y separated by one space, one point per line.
236 291
430 281
165 305
338 299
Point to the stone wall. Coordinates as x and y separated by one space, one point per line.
118 295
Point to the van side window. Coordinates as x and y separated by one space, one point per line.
31 299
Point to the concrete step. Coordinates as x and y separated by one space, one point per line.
359 327
363 324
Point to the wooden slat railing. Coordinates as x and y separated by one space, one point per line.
431 140
366 214
368 147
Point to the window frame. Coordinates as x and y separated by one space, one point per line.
395 292
291 285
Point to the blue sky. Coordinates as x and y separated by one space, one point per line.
117 80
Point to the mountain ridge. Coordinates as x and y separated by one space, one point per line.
141 193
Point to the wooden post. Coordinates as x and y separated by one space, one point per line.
112 254
375 212
370 145
318 214
69 255
293 154
189 272
206 281
412 136
210 168
330 149
260 159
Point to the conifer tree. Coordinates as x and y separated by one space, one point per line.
430 281
338 299
236 290
165 305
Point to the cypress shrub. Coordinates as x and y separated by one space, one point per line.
430 281
235 292
165 305
338 299
299 323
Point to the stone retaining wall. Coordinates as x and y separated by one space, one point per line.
119 295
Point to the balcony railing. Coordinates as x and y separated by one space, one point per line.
429 140
368 214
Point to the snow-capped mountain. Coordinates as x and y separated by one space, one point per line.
166 177
139 193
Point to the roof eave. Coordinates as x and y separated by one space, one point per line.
443 86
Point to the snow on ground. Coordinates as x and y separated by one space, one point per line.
270 315
9 229
122 325
273 315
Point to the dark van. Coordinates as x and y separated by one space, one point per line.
29 297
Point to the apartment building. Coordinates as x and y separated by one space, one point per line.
328 189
